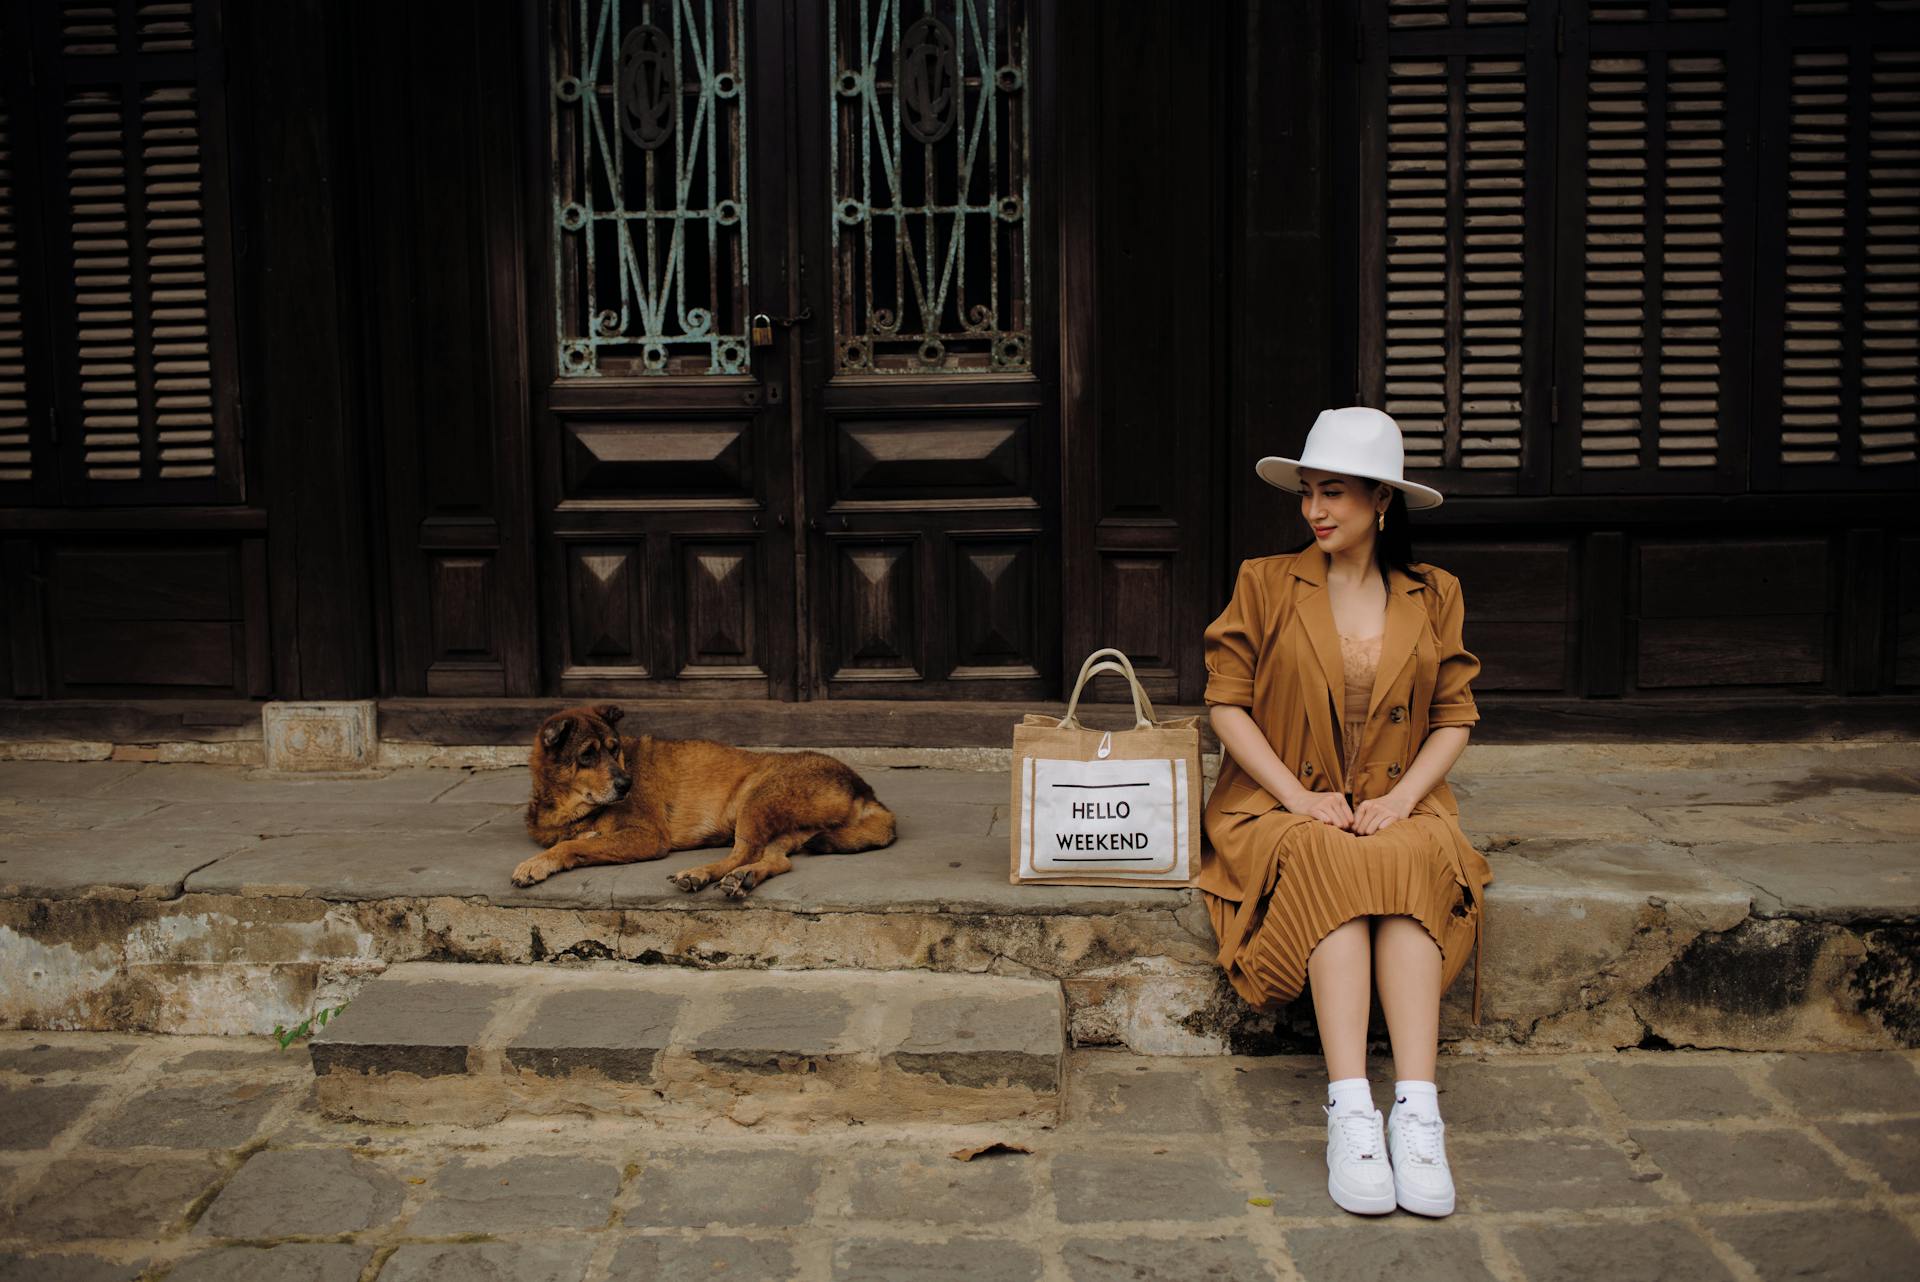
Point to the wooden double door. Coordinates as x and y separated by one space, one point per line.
796 426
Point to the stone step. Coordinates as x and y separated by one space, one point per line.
431 1042
1743 897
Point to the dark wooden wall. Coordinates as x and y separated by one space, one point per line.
1144 253
433 144
400 504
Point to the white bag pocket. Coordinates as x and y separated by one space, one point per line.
1127 817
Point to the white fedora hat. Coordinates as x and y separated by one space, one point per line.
1354 441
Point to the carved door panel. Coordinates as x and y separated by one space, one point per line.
858 501
666 475
930 434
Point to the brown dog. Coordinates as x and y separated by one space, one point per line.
599 798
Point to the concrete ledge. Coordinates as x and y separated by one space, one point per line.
790 1048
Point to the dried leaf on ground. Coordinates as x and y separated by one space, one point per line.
985 1150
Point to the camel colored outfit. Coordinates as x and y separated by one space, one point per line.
1276 883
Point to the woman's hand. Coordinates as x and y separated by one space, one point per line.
1376 813
1327 807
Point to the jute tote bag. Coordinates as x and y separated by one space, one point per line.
1106 807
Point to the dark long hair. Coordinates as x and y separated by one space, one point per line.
1393 546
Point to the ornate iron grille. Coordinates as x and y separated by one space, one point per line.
649 146
928 111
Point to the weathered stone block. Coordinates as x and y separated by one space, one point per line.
290 1262
1822 1085
1090 1187
522 1193
320 735
1892 1149
490 1262
65 1058
215 1116
768 1029
423 1027
1480 1098
987 1190
690 1188
33 1118
643 1259
1782 1245
303 1192
1144 1259
1279 1094
66 1268
247 1055
91 1198
1437 1253
1295 1174
982 1041
959 1260
1560 1172
1571 1251
1156 1005
1141 1099
1780 1166
616 1032
1653 1092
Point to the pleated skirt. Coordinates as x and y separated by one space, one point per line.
1329 877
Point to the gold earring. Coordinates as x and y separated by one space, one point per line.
1383 519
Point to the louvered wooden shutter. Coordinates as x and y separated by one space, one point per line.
1655 247
26 470
1838 374
134 152
16 418
1454 262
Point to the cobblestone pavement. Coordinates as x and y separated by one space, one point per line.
197 1158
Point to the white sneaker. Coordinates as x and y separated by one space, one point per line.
1422 1180
1358 1177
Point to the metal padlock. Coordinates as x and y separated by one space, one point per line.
762 330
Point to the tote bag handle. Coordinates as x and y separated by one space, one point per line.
1119 664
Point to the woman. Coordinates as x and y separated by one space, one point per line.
1339 688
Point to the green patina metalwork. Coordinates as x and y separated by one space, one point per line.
928 119
648 139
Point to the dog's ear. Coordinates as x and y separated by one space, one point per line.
609 713
555 732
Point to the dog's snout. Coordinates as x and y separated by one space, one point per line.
622 784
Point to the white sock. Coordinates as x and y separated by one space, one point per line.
1416 1099
1350 1095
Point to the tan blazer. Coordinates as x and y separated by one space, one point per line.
1275 651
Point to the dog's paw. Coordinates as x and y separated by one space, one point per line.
736 885
688 881
531 872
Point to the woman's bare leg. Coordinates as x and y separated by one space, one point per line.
1340 973
1407 970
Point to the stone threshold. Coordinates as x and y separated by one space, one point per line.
471 1044
495 732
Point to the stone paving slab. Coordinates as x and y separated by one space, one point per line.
519 1194
69 1267
288 1262
156 865
1229 1187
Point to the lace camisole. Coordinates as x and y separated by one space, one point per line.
1360 657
